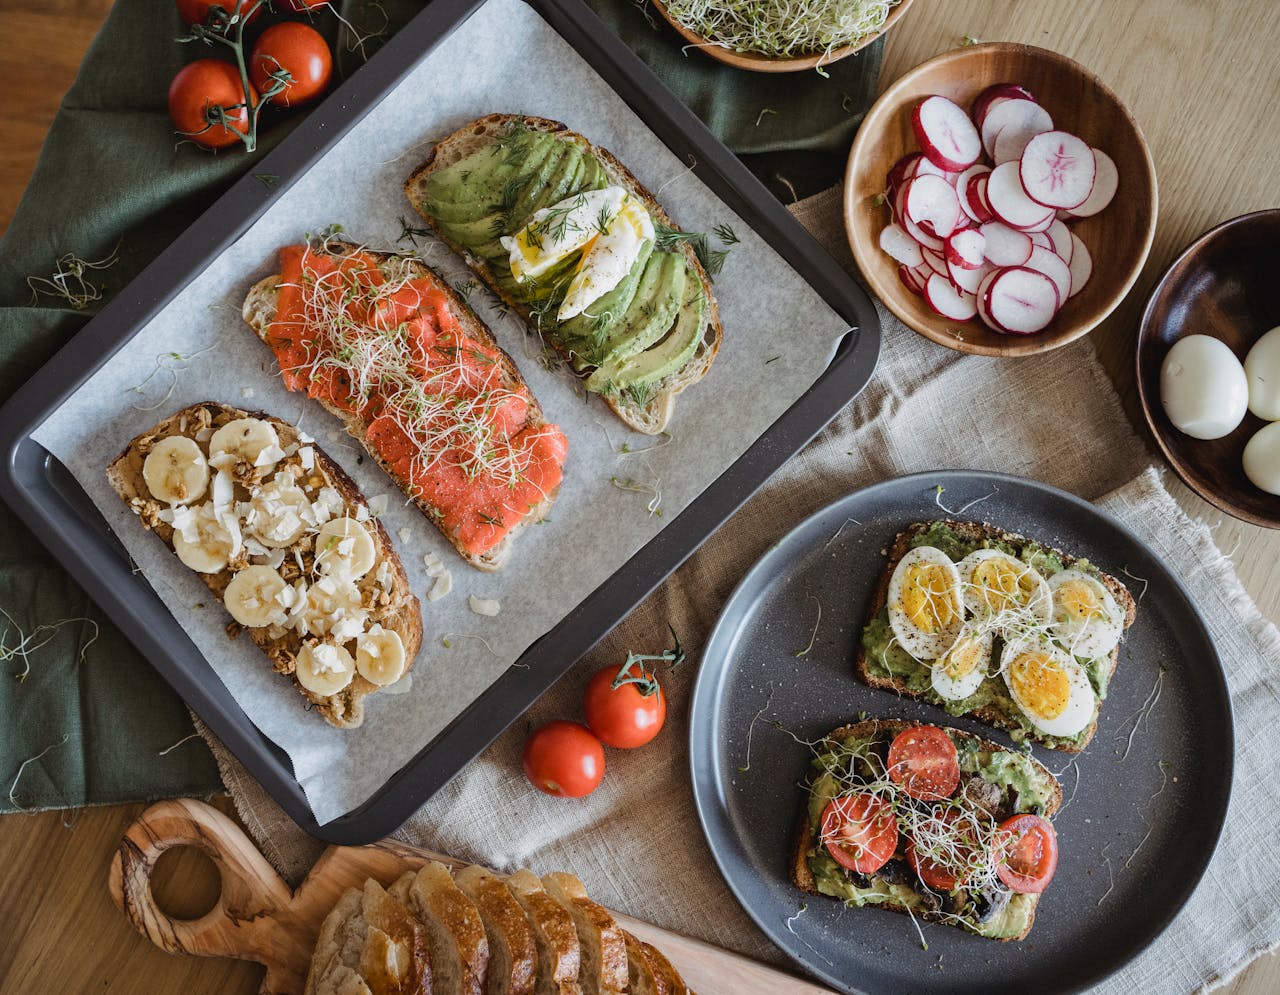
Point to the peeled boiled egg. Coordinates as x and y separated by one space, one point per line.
925 608
1050 688
961 671
996 582
1262 367
1262 458
1203 387
1087 622
555 232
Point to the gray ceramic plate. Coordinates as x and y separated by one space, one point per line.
1144 809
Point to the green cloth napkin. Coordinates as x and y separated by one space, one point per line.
91 722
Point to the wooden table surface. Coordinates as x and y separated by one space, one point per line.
1200 78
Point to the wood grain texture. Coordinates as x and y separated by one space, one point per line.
1199 77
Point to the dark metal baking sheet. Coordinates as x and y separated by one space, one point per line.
1135 833
50 502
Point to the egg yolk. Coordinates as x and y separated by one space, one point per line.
1003 584
1078 601
1041 684
927 597
963 658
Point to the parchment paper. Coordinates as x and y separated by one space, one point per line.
504 58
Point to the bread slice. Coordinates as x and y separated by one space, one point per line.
455 932
978 532
554 934
513 953
641 979
259 311
883 731
384 589
369 944
604 949
651 416
667 980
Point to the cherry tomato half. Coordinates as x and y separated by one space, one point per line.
622 717
299 50
564 759
197 11
203 84
924 762
1029 848
860 832
950 874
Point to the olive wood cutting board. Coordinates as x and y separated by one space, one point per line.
258 918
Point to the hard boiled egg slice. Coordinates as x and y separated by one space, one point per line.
1050 687
608 259
925 608
1087 622
554 232
996 582
960 672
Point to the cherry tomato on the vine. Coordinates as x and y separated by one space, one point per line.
197 11
199 86
622 717
299 50
564 759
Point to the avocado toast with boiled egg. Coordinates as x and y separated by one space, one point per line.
573 243
992 624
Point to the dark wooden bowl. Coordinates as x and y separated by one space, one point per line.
1118 238
1226 284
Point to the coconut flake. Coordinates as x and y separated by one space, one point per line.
275 559
246 392
307 456
483 606
404 534
378 505
442 586
270 456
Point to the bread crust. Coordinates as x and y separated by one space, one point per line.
559 952
403 613
652 417
369 943
512 950
883 730
978 531
604 949
453 926
259 311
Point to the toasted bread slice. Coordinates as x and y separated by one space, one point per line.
604 949
883 731
259 311
455 932
651 416
554 934
384 589
513 953
977 532
369 944
667 980
641 979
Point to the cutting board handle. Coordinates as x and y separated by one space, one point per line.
252 919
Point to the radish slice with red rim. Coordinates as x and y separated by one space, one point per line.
1023 119
1059 236
1081 264
920 235
930 201
1021 301
986 101
1049 263
1003 246
948 301
1010 203
1041 239
976 194
965 248
910 280
963 182
934 261
1106 180
968 280
1057 170
903 170
947 137
900 246
980 300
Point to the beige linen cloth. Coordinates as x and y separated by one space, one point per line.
636 841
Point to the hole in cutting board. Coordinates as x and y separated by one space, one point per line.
185 883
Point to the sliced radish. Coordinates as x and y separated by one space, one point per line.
1040 226
1057 169
1081 264
1049 263
965 248
976 195
920 235
1010 203
980 299
1106 180
930 201
963 182
902 247
1059 236
988 98
1041 239
903 170
946 135
1022 118
947 300
910 280
1021 301
934 261
968 279
1004 246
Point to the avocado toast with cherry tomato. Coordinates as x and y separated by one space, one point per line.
929 821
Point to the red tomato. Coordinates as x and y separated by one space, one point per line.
197 11
302 52
564 759
1030 853
923 761
622 717
948 875
860 832
203 84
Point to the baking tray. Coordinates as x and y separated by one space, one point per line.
1144 803
47 498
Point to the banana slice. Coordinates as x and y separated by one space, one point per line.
333 607
380 656
255 597
324 669
176 471
345 548
202 543
251 439
278 513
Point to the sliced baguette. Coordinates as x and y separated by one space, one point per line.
513 953
455 932
259 311
369 944
978 531
666 978
554 934
641 979
652 416
399 612
604 949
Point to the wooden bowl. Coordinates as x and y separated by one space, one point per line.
1225 284
1118 238
758 63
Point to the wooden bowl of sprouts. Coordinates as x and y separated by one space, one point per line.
780 36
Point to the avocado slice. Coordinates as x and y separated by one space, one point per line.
592 326
497 191
643 306
563 184
647 317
